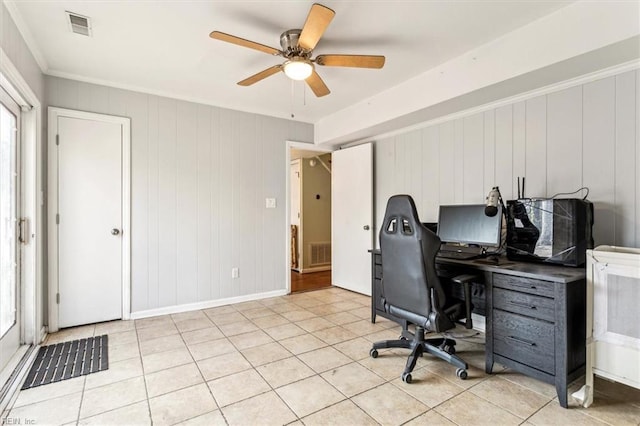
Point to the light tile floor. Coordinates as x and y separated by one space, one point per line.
298 359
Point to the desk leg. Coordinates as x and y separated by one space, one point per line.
488 367
373 304
488 347
561 390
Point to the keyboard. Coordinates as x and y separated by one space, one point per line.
459 255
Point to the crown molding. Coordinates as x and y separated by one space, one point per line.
26 34
160 93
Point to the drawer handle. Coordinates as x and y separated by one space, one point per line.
522 305
524 342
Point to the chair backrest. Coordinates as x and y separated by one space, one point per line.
408 260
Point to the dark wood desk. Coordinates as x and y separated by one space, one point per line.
535 315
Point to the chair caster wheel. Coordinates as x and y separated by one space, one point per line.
462 374
373 353
450 349
406 377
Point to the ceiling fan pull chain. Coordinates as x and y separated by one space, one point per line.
292 97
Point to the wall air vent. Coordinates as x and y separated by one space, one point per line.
79 24
319 254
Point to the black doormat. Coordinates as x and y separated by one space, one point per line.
68 360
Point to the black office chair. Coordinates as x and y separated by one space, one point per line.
411 290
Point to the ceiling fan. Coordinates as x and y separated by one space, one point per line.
297 48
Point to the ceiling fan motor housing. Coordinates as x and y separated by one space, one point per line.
289 43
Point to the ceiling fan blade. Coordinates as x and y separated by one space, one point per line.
317 85
355 61
245 43
317 22
260 76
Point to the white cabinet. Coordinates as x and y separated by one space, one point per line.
613 318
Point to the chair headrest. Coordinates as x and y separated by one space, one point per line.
402 206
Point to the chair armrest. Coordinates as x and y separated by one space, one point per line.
465 278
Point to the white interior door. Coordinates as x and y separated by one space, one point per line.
352 217
90 221
9 250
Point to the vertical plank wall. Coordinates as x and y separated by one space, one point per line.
19 54
586 135
200 175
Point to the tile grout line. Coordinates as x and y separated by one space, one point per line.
526 387
385 381
144 376
296 381
506 409
204 381
537 411
297 418
84 385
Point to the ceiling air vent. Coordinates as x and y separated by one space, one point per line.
79 24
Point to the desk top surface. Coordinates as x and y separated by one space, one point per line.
540 271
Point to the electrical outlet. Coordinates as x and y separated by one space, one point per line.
270 203
235 272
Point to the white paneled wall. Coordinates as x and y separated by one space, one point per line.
18 53
200 175
586 135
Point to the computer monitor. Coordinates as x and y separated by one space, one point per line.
468 224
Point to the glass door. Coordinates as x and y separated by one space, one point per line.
9 250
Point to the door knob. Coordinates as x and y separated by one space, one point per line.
366 227
115 231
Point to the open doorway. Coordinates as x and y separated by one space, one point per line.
310 205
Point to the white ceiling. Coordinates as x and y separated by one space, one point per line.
163 47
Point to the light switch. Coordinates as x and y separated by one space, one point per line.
270 203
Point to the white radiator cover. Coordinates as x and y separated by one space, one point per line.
613 318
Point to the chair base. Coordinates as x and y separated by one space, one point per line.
442 348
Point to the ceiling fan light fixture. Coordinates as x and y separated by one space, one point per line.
298 68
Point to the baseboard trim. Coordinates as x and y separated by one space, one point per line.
176 309
315 269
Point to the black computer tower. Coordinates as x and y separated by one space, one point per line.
555 231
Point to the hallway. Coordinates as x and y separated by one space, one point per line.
310 281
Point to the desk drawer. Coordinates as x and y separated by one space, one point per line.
524 304
524 340
527 285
